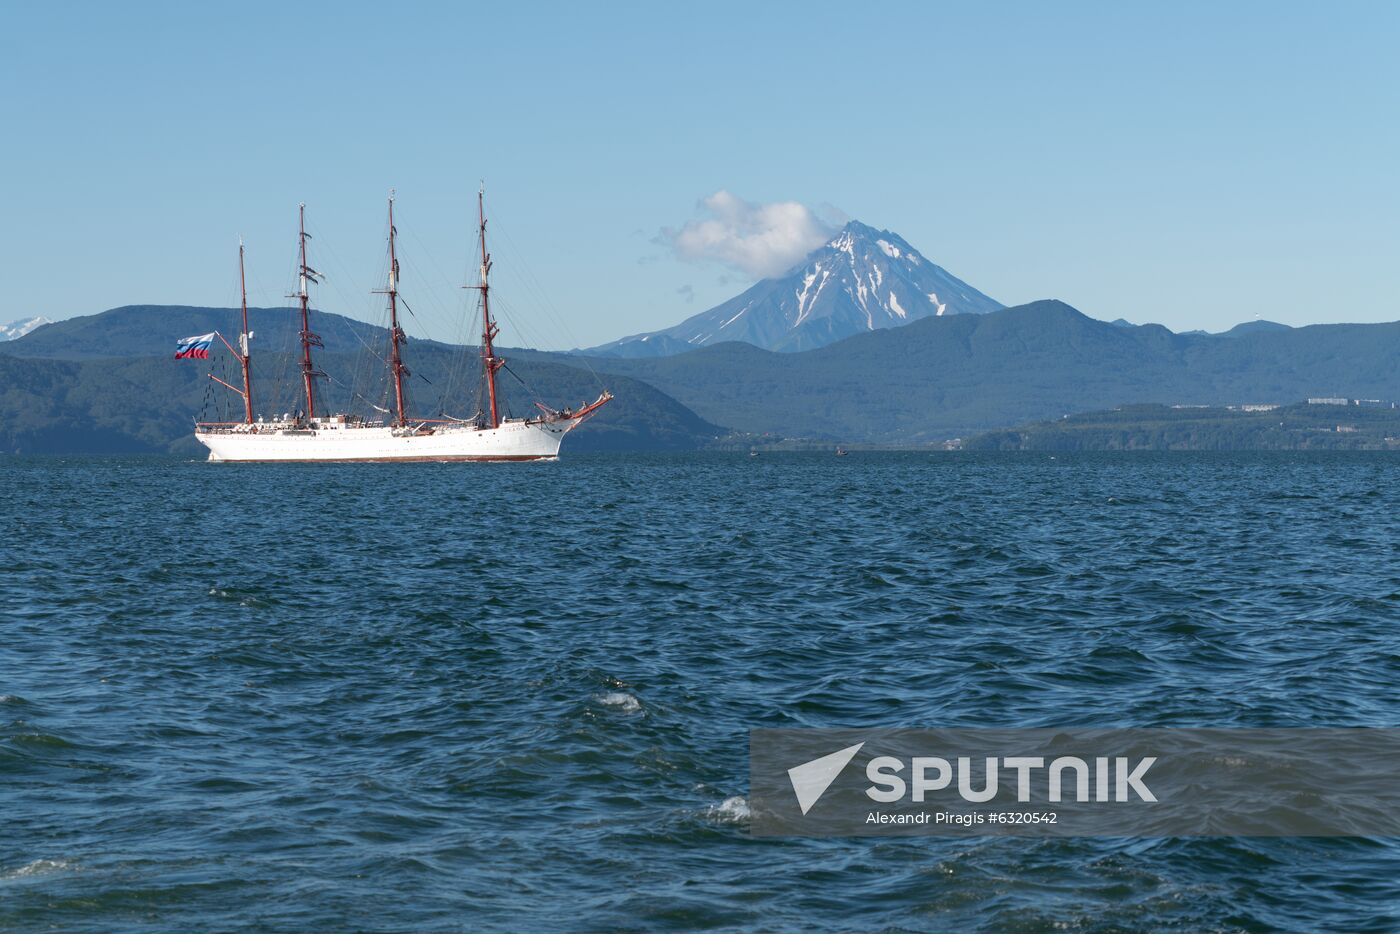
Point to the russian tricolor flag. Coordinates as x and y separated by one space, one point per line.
195 348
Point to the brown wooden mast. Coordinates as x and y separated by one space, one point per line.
396 335
308 339
244 356
489 361
241 351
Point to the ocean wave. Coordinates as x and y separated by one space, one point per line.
627 703
732 810
38 867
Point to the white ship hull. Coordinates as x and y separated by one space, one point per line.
341 440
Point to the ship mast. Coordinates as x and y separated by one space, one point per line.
396 335
308 339
244 356
489 361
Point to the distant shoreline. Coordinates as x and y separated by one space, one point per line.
1371 425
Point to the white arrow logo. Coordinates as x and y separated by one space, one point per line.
810 780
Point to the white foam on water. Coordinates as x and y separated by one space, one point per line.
730 810
38 867
222 594
621 700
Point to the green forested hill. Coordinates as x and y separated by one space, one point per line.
957 375
1298 427
150 403
936 378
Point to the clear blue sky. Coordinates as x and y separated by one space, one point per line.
1194 164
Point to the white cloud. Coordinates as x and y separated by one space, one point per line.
762 240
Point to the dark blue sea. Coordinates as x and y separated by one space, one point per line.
516 698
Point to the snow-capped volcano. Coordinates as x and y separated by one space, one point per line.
16 329
860 280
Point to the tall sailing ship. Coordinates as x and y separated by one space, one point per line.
313 435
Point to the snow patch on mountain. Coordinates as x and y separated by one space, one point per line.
17 329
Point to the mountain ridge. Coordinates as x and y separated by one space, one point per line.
950 376
108 383
933 379
152 330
